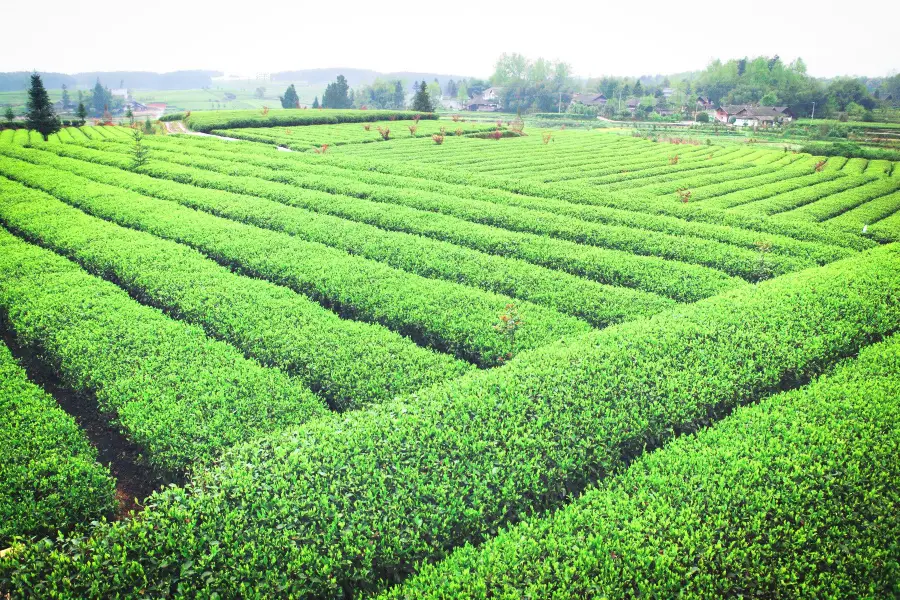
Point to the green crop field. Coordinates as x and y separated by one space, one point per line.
442 363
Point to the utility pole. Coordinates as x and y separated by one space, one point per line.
813 111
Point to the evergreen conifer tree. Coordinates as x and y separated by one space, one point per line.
290 98
336 94
40 112
81 113
399 95
422 101
9 115
66 101
99 99
315 103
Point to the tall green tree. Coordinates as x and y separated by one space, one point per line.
81 112
422 101
399 95
9 115
290 98
66 101
336 94
41 117
315 103
100 99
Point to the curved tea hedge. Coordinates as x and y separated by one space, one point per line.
597 303
348 363
673 279
347 504
176 393
439 314
50 474
206 121
794 497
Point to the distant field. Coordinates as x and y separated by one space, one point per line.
304 138
572 362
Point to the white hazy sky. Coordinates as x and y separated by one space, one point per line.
834 37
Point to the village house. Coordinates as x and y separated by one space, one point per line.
593 99
754 116
704 103
482 104
135 106
492 94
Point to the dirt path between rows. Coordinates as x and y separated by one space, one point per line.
134 480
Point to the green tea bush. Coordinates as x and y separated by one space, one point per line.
440 314
673 279
51 478
794 497
179 395
206 121
346 362
344 505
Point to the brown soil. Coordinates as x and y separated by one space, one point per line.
134 480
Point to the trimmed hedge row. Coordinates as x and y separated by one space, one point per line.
206 121
870 212
668 278
175 116
793 497
596 303
746 238
178 394
50 474
346 362
583 193
730 259
888 229
690 175
842 202
304 138
666 178
345 505
440 314
804 196
727 194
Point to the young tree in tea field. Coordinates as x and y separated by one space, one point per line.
139 152
81 113
9 115
40 117
290 98
315 103
422 101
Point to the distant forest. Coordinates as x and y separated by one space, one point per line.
177 80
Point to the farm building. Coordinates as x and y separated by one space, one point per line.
492 94
592 99
753 116
483 104
704 103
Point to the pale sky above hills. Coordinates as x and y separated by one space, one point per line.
834 37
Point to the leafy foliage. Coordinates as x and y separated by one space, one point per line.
51 478
754 505
457 461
